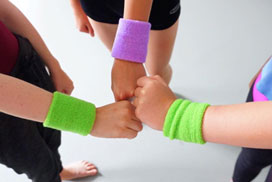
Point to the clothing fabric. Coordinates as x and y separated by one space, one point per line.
251 161
9 49
262 90
183 121
131 41
79 113
26 146
163 13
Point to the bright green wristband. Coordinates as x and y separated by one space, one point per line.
67 113
184 121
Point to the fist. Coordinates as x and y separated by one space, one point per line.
152 100
124 78
62 81
116 120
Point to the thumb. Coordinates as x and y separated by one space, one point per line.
90 29
158 78
141 82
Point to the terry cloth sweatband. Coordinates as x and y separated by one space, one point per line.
131 40
262 89
184 121
67 113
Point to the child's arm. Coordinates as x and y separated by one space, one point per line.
82 21
125 73
21 99
137 9
17 23
247 125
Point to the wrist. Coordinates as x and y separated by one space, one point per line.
67 113
76 6
184 121
125 62
131 40
53 65
74 3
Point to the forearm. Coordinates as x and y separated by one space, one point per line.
18 23
248 125
21 99
137 9
76 6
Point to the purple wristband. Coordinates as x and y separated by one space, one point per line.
131 40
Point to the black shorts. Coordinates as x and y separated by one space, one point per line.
164 13
26 146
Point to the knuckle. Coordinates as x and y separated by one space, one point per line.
81 29
143 92
156 76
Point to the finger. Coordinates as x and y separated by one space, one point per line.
132 113
60 89
137 91
84 29
68 91
135 102
134 118
119 96
142 81
135 125
91 31
157 77
115 94
116 98
130 134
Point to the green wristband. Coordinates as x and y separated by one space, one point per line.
70 114
184 121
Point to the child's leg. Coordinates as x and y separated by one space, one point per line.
269 176
24 150
105 31
160 49
30 68
251 161
104 17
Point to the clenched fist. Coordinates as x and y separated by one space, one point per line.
116 120
153 99
124 77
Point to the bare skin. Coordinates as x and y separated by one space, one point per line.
247 124
115 120
160 47
157 62
27 101
77 170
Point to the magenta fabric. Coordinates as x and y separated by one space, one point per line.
9 49
131 41
257 95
